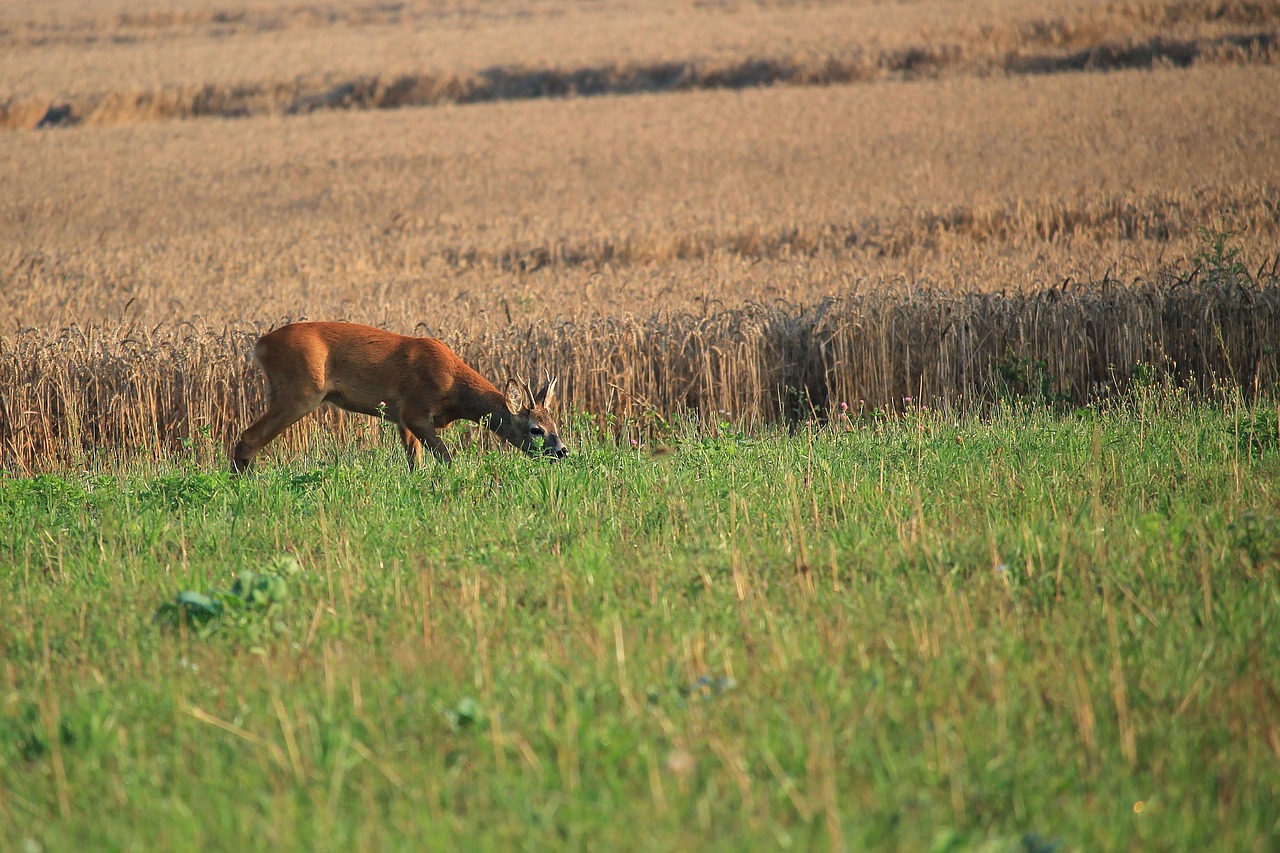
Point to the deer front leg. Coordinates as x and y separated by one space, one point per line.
425 431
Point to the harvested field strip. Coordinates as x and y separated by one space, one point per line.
127 390
74 22
63 67
519 83
82 24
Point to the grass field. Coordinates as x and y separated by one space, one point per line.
901 632
919 362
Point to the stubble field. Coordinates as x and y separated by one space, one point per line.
1014 592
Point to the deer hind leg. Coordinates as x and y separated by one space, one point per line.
281 414
411 445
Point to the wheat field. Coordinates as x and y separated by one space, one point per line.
747 211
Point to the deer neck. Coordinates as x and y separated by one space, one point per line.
483 403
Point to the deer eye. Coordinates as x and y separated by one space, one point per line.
536 430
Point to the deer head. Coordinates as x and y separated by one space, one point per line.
530 426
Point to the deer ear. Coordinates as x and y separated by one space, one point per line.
546 393
515 397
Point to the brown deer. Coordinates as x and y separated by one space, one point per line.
419 384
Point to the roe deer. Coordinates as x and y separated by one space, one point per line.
419 384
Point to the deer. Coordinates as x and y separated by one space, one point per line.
419 384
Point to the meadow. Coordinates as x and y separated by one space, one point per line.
1030 632
919 362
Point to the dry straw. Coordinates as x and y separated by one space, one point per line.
122 390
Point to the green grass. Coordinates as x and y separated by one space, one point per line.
1027 632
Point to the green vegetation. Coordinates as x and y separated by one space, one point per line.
1036 631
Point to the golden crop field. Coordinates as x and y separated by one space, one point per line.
751 210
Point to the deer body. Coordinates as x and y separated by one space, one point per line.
417 383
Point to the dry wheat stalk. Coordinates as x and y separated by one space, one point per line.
120 389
